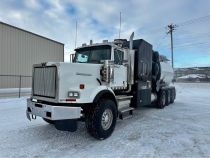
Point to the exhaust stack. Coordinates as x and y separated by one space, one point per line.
131 41
130 64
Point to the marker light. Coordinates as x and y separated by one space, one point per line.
82 86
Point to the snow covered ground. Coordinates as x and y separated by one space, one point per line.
180 130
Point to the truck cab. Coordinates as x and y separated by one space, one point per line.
105 81
111 53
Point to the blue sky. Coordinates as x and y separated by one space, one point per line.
99 20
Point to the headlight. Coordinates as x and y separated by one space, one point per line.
73 94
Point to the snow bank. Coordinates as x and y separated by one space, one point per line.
193 76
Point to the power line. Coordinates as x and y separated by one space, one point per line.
187 22
196 42
187 31
154 30
192 44
161 41
195 20
172 27
192 39
188 43
191 36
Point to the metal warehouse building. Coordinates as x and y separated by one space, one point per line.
19 50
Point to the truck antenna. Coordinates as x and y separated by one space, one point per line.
120 26
76 34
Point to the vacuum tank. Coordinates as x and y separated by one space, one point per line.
167 73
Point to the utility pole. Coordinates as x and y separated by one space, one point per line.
171 28
120 26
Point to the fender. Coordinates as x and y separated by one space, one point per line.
88 95
97 90
105 93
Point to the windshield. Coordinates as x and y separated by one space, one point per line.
93 54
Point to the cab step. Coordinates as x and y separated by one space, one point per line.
123 101
126 113
123 97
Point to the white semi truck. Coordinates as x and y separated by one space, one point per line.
104 82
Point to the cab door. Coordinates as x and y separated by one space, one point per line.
120 70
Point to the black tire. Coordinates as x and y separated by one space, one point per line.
48 121
161 102
173 95
95 117
168 97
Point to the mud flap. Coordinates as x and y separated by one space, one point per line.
66 125
145 96
28 115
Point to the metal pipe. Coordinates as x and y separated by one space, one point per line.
129 89
130 64
131 41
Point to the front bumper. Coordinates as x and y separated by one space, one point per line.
52 112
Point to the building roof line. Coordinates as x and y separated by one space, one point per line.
30 32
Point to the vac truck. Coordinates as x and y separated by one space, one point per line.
105 81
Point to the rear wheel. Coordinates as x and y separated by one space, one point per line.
168 97
48 121
101 119
173 95
161 102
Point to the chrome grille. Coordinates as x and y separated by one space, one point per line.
44 81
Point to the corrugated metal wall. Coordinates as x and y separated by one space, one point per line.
20 49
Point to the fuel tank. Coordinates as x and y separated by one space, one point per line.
167 72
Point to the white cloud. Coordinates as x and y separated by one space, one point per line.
33 4
15 15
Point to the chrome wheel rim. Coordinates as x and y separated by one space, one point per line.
107 118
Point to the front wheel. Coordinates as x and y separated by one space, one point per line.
101 119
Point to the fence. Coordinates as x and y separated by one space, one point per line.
15 85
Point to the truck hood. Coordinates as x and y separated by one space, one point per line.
79 70
71 75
